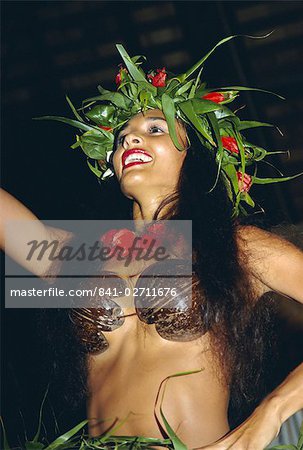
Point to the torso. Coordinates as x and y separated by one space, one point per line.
124 382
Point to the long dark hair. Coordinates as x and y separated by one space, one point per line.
239 326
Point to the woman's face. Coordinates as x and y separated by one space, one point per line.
145 156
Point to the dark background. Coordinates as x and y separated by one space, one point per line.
53 48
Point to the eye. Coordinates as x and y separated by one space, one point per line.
155 129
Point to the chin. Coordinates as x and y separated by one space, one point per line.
132 182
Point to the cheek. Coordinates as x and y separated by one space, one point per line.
116 158
171 163
174 159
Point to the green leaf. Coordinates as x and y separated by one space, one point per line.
136 73
195 87
101 135
228 186
184 87
300 440
77 115
220 150
190 114
73 123
136 59
246 124
178 444
36 437
231 173
172 84
147 86
95 144
93 149
76 144
91 101
66 436
5 441
259 153
169 112
94 169
132 68
241 150
144 97
202 106
202 60
257 180
247 199
116 98
114 428
129 89
244 88
102 114
227 118
31 445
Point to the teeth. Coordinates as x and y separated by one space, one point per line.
137 157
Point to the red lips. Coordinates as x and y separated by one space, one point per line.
129 152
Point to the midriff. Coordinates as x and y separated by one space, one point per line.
125 380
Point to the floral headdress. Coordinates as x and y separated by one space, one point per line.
180 96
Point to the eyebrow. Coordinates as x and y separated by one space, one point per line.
155 118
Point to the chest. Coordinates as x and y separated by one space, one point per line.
165 296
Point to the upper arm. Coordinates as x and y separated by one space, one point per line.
275 264
19 227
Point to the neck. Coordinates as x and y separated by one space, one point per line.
144 211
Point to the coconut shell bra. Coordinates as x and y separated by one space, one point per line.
180 316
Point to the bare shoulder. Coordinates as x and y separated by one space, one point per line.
256 241
273 261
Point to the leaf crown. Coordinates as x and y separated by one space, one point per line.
182 96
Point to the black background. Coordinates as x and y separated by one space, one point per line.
53 48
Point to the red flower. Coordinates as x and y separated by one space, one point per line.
157 228
215 97
105 128
107 238
118 238
124 238
119 76
118 79
244 182
159 79
230 143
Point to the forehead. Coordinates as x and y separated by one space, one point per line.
151 114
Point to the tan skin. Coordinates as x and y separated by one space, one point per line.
138 359
124 380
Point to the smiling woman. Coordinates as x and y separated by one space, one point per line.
179 154
147 134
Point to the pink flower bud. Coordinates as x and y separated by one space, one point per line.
244 182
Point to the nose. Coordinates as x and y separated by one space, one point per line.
131 139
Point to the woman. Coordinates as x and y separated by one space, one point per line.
233 266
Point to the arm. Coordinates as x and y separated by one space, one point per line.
259 429
274 265
14 215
